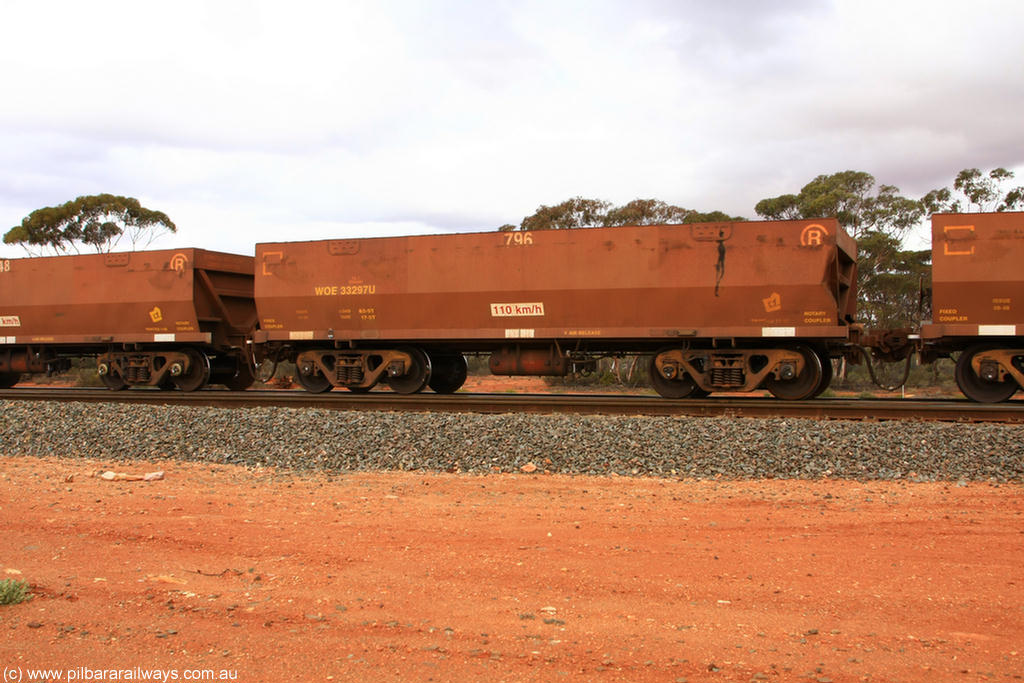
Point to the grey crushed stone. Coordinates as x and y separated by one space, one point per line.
314 439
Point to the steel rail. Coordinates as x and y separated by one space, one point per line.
960 410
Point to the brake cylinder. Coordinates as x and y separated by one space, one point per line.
515 361
21 361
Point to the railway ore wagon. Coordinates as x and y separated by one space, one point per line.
715 306
978 301
177 318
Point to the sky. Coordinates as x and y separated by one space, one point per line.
251 121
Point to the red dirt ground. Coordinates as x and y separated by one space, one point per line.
434 577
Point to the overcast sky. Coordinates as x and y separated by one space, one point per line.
261 121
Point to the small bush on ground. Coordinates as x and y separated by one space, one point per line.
13 591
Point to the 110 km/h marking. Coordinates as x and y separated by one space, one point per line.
516 310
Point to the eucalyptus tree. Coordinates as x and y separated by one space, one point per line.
100 222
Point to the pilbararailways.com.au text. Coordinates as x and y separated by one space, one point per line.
136 674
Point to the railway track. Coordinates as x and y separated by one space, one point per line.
960 410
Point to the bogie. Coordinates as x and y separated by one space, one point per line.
405 369
791 373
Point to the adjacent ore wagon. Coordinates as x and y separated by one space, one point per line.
978 301
177 318
715 306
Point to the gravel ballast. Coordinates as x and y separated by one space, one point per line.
313 439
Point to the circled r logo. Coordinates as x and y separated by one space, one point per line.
179 262
813 235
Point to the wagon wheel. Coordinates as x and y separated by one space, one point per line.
9 379
803 385
198 373
113 382
826 374
978 388
315 382
242 379
415 377
109 379
448 372
681 387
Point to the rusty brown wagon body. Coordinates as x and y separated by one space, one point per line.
718 305
978 301
172 317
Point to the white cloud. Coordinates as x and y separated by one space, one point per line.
247 120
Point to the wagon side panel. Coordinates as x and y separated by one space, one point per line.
136 297
634 282
977 281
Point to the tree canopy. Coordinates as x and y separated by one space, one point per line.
974 191
849 196
99 222
579 212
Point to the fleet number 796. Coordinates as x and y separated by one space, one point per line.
518 239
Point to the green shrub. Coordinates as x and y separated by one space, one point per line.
12 592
